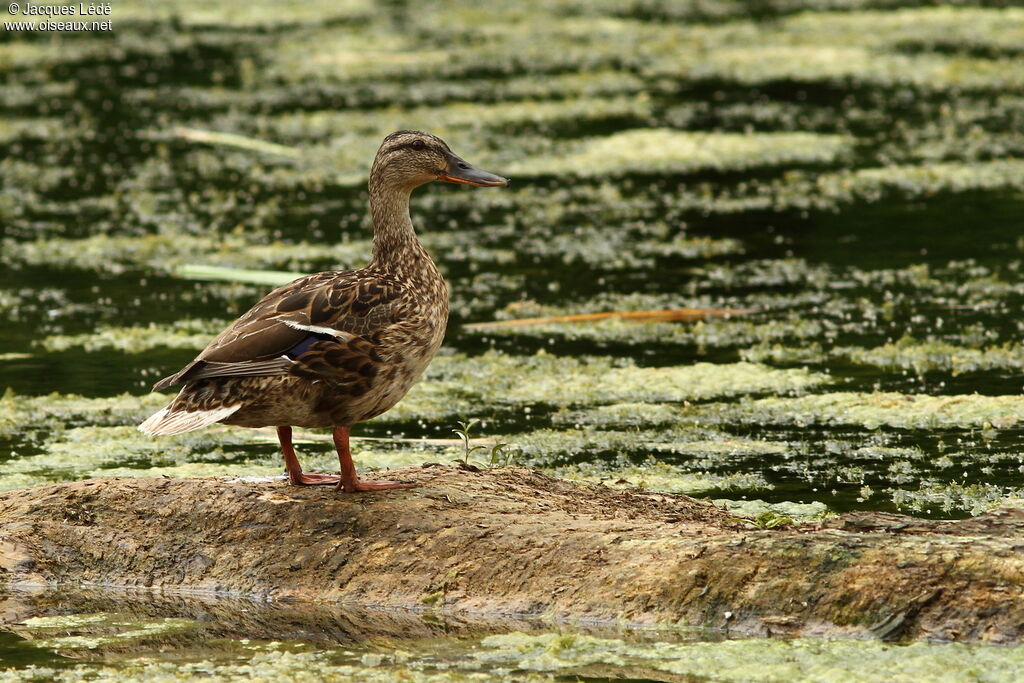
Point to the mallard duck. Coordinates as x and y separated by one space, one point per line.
336 348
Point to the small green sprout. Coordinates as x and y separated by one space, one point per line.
502 454
464 431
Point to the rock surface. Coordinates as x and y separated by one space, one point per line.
512 542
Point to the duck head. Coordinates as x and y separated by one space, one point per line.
410 158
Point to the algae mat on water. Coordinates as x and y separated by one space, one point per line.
553 656
53 450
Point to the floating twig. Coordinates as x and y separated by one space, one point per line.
212 137
198 271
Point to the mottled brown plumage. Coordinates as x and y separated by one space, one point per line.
339 347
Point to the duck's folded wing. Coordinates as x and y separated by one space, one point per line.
287 323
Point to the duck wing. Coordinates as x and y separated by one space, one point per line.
339 308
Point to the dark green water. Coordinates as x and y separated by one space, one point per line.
849 173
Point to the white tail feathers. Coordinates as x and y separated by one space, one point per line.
179 421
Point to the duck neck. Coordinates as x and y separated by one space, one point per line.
394 237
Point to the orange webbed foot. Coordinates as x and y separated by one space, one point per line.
313 479
369 485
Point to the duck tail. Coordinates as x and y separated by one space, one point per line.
178 421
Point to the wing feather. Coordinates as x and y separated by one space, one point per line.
341 304
164 421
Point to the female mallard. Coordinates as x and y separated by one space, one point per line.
332 349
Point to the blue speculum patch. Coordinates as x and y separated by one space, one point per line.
307 343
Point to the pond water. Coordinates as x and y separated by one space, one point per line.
844 174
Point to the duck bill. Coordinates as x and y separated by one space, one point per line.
459 171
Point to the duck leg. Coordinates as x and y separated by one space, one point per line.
294 469
349 481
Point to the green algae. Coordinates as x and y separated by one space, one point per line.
924 26
753 509
704 334
552 656
778 354
762 660
456 386
550 445
817 45
662 477
460 117
625 249
269 666
539 41
620 415
686 459
859 47
461 385
906 353
207 257
929 356
75 453
182 334
67 621
953 497
797 189
22 305
54 412
251 15
189 470
84 452
81 452
102 630
12 129
520 92
667 151
871 411
613 302
873 184
811 63
29 177
165 252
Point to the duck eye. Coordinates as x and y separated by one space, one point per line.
418 144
